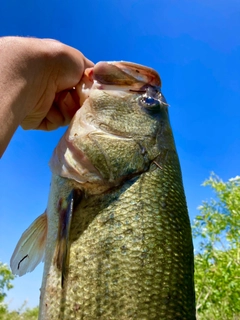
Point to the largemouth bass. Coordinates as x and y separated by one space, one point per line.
116 236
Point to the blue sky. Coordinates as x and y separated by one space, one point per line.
194 45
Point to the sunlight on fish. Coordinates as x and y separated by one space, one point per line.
115 237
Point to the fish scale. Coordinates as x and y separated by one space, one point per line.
130 253
115 236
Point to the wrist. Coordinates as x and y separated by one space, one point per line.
15 83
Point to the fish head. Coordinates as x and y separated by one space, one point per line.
122 126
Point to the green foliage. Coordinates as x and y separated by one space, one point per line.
217 264
23 313
5 284
28 314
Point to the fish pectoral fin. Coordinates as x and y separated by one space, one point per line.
65 208
30 249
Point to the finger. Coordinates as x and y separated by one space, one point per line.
68 104
53 119
62 95
32 121
88 63
75 96
71 64
81 88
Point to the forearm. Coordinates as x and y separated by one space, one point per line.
10 116
12 86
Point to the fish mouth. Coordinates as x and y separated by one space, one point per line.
121 78
123 74
118 75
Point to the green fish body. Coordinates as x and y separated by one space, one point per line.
118 243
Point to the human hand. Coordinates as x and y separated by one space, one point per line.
46 70
37 80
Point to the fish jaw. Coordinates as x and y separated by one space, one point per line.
114 82
123 74
70 162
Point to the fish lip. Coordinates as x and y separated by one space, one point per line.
140 72
122 75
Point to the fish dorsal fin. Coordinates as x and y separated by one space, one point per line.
30 249
65 208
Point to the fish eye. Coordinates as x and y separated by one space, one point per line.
149 103
152 100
